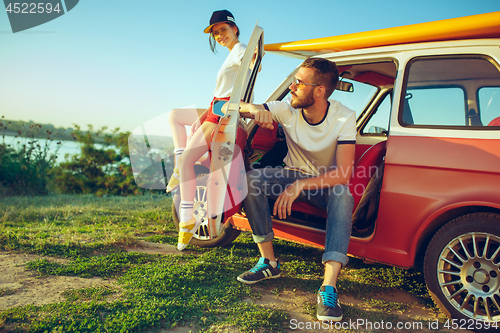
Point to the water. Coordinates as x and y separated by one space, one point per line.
65 148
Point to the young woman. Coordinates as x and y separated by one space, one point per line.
223 31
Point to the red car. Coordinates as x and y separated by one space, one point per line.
427 173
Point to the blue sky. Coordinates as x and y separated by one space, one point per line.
120 63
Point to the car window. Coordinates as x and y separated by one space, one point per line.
489 104
451 92
358 99
437 106
379 121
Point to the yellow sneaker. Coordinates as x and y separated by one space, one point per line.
174 181
186 232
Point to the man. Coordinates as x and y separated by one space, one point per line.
321 137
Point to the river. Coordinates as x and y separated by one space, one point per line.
65 147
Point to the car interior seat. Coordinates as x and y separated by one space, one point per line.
366 168
495 122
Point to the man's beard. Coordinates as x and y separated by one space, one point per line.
303 103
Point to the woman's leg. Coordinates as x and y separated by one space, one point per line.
179 119
195 148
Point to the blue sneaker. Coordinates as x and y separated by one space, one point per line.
262 271
328 305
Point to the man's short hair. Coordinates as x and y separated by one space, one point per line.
326 73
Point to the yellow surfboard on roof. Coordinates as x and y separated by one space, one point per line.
467 27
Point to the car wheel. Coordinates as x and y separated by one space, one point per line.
462 267
202 238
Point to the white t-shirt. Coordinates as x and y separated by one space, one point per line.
312 147
227 74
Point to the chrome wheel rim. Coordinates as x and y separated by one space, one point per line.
200 211
468 272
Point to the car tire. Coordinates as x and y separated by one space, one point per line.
201 238
462 269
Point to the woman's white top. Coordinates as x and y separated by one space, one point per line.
226 76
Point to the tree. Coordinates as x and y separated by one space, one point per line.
101 169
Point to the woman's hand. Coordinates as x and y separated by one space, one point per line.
195 126
254 58
198 122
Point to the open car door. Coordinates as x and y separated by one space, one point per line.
222 193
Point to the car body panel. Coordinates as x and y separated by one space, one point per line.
428 176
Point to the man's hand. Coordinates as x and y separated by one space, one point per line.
283 204
264 119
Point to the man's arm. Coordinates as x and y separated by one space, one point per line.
339 176
261 116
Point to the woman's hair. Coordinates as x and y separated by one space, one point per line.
213 42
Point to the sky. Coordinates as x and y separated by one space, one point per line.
123 63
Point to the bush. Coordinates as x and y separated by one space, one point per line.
97 170
29 168
24 170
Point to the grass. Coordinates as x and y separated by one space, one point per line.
150 291
71 226
6 291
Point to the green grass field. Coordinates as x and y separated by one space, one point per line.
151 291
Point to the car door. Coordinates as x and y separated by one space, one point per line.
227 183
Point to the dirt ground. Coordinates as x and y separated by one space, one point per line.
30 289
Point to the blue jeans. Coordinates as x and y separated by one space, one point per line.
338 202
